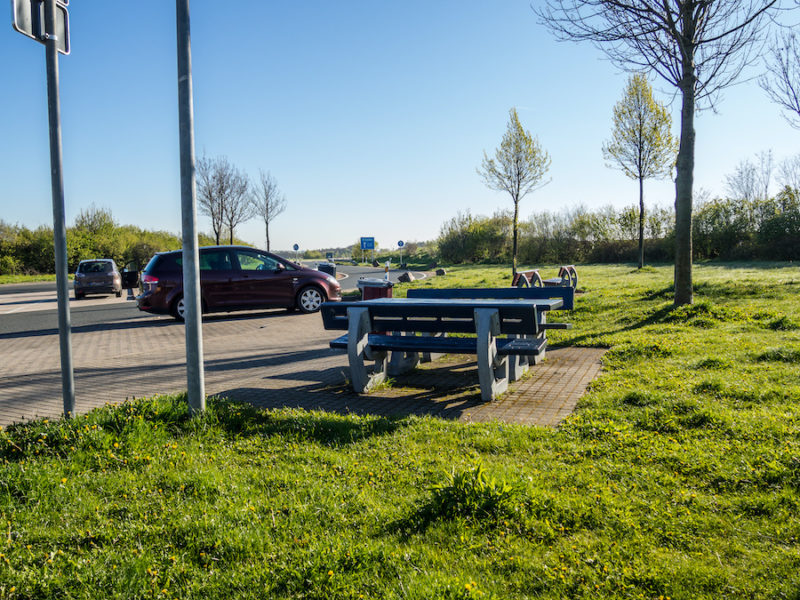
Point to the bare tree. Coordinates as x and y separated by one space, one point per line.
222 195
697 46
267 201
518 167
789 172
209 199
741 184
782 83
751 181
642 145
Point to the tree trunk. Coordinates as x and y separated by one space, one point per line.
266 227
641 222
683 194
514 240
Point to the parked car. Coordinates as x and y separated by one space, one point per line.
97 276
235 278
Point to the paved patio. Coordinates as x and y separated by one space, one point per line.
271 359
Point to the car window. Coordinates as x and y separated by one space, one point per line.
94 267
250 260
215 260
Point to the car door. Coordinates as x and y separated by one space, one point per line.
263 280
216 278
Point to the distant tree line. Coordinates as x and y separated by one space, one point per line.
94 234
723 228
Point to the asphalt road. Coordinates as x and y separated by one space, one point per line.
31 308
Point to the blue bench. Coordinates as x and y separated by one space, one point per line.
369 322
519 364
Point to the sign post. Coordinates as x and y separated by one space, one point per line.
195 377
400 245
296 247
47 22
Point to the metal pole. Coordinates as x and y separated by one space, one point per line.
59 227
191 256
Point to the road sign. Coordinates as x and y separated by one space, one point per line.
296 247
368 243
28 19
400 244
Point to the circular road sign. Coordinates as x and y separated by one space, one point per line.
296 247
400 244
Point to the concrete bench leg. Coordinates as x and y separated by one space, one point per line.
426 357
518 365
358 352
402 362
542 317
492 369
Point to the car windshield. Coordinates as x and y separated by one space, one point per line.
95 267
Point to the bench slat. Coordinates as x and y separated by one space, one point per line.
565 293
412 317
409 343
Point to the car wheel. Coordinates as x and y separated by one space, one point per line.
310 299
79 296
179 309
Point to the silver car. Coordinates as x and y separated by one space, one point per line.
97 276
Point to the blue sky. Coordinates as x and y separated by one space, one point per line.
372 116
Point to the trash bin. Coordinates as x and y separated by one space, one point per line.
327 267
374 288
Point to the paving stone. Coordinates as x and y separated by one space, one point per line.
271 359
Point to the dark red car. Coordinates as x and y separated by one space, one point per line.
235 278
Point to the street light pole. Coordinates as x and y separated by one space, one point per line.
59 226
191 257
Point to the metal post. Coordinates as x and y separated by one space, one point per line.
191 256
59 227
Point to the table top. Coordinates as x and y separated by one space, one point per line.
539 304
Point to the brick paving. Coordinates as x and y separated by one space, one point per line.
270 359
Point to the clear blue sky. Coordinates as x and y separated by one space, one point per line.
372 116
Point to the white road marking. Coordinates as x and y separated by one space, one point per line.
39 301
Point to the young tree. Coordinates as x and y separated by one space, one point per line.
518 167
642 145
782 83
267 201
222 195
697 46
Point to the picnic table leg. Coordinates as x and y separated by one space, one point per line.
518 364
542 318
358 352
402 362
426 357
492 369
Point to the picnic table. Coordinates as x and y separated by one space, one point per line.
385 331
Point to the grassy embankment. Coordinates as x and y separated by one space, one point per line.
678 476
27 278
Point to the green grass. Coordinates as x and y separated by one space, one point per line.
678 475
26 278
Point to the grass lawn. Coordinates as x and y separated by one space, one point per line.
677 477
27 278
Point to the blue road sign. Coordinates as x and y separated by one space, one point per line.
400 244
368 243
296 247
